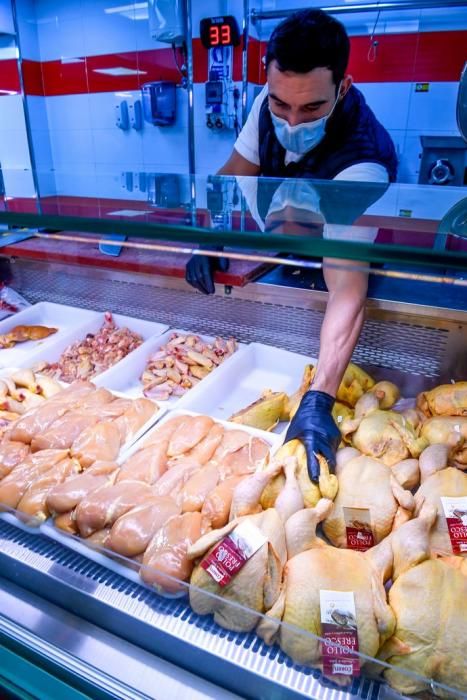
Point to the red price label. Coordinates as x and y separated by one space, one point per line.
359 539
458 535
338 660
224 561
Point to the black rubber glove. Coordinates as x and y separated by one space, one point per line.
315 427
200 270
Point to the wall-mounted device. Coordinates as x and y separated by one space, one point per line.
122 118
443 160
167 21
219 35
136 115
219 31
159 103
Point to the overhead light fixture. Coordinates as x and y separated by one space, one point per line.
119 71
72 60
136 11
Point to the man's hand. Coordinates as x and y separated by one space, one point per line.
200 271
315 427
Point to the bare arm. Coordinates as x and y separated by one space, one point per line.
238 165
342 322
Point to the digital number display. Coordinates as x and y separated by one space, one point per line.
219 31
220 35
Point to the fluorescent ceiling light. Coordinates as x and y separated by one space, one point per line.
72 60
119 71
136 11
8 92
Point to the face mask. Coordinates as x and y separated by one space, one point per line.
301 138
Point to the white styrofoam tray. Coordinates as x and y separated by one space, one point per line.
68 319
273 440
125 377
242 380
148 329
129 568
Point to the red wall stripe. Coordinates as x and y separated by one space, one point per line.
424 57
9 77
421 57
32 77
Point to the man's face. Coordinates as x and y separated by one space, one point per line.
302 97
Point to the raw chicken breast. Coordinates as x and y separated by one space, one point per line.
37 421
67 522
100 442
132 532
102 507
171 483
165 431
216 506
15 485
94 399
232 441
63 431
166 555
198 487
66 496
11 454
245 460
136 415
34 501
204 450
189 434
147 464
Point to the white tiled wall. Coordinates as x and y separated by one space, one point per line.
75 135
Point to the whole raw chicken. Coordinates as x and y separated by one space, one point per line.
257 584
444 400
430 637
439 480
311 492
451 431
367 483
316 566
384 434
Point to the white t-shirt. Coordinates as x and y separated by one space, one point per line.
247 145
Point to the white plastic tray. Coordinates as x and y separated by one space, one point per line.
242 380
273 440
112 562
126 376
68 319
148 329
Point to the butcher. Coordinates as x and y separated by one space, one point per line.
310 121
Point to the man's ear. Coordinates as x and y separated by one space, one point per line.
345 85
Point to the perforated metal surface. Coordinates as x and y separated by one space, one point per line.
404 347
246 652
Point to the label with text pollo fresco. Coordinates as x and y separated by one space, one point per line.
455 510
358 528
339 630
232 552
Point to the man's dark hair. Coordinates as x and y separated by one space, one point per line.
310 39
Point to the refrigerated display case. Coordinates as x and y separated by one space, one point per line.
77 621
